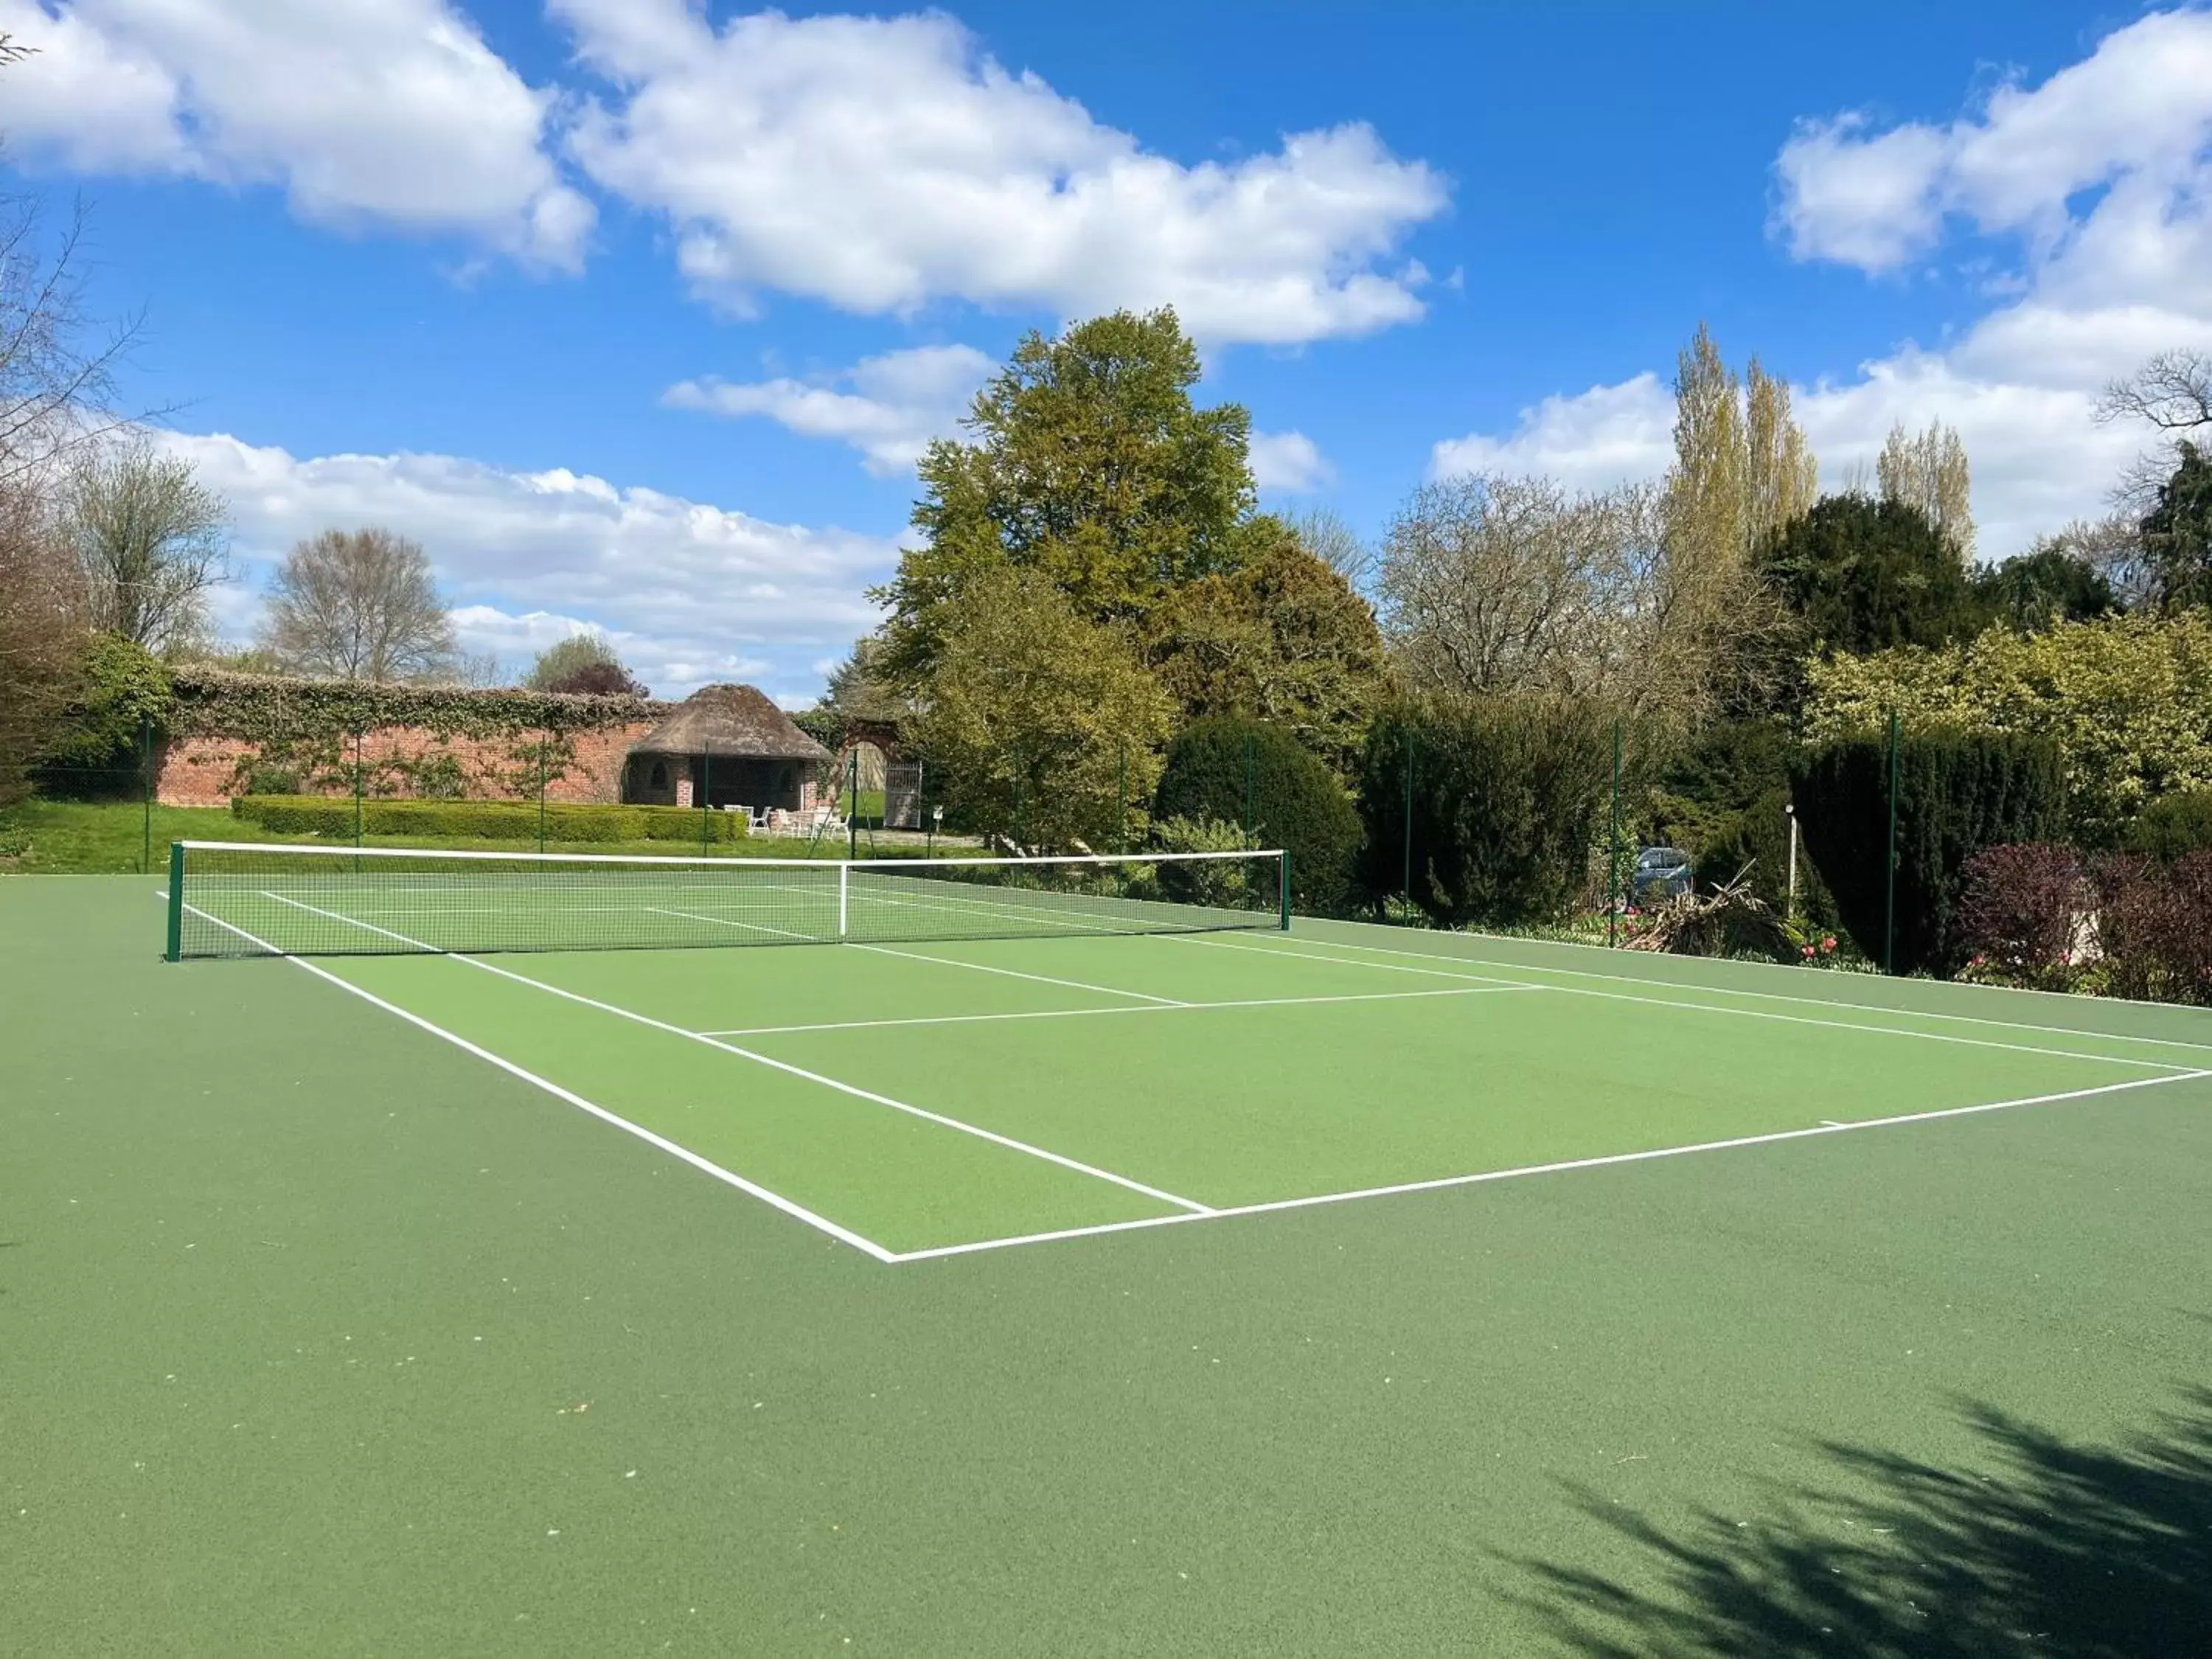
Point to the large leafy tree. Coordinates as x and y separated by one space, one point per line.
1038 718
1864 575
2177 532
1087 462
1282 637
2127 700
2048 583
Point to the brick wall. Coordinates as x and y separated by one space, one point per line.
207 771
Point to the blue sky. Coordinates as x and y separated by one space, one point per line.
634 313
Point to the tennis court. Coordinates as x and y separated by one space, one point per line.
1063 1259
1040 1062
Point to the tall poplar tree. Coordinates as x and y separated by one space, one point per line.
1927 471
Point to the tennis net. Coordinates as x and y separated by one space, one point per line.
236 899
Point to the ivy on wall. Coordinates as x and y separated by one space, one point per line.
271 709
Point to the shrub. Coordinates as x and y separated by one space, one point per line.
2151 927
1957 793
2020 913
1293 800
1221 883
485 820
118 690
1509 800
2172 825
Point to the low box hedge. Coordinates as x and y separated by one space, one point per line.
485 820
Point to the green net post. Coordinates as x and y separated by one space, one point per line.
176 950
1612 850
542 746
1284 868
146 781
1889 866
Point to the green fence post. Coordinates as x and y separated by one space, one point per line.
146 780
356 790
1409 817
1889 897
1250 742
1121 803
853 805
1612 850
705 793
542 743
176 950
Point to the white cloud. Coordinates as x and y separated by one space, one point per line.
895 404
1608 435
2101 177
2135 116
689 591
1289 461
879 164
391 112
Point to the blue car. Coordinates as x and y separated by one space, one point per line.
1660 872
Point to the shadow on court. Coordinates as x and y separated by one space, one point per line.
2047 1548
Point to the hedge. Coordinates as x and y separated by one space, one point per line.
1957 793
1293 800
1509 798
487 820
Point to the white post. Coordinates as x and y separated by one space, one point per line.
1790 905
844 896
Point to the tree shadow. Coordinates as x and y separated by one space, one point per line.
2050 1548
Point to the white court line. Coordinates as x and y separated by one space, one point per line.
753 1189
1077 1013
936 1252
773 1064
725 921
1015 973
1779 996
1708 1008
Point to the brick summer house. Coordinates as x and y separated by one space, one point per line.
724 745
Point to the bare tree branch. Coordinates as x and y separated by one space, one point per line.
2173 392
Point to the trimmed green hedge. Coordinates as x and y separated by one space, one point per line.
485 820
1957 793
1510 800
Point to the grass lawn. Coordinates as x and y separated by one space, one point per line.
65 837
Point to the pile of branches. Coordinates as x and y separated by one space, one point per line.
1730 920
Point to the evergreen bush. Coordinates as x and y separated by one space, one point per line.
1258 777
2174 825
1510 798
1959 793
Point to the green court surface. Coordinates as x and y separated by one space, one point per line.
1339 1290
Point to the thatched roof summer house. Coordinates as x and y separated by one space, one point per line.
724 745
